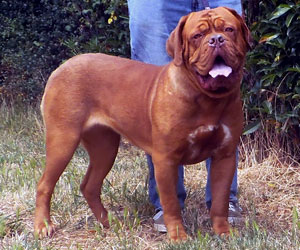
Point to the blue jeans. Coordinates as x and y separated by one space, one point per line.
181 193
150 23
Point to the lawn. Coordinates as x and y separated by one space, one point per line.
269 194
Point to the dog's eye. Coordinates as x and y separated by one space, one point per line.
229 29
198 35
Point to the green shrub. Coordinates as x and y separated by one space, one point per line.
272 86
38 35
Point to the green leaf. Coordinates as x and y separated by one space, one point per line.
296 220
289 19
283 96
297 107
294 69
85 12
37 43
252 127
268 37
68 28
267 107
289 115
268 79
280 10
263 62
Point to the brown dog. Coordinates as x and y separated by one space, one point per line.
180 113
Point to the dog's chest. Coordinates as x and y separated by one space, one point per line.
205 140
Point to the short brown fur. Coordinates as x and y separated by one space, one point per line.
94 98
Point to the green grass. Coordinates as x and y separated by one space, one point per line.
125 195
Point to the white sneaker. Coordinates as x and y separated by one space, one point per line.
159 224
234 213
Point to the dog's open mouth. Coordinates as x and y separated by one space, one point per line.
220 68
216 79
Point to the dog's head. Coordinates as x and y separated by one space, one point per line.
212 44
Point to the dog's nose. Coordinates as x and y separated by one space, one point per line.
216 40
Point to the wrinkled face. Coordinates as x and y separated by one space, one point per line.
212 45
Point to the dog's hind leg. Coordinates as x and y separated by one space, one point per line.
102 145
60 147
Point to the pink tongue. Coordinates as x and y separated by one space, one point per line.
220 70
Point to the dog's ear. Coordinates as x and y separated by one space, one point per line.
175 42
246 32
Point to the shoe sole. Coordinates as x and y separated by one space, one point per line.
160 228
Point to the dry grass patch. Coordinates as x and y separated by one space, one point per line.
269 193
269 182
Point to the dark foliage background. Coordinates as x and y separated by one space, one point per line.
271 89
38 35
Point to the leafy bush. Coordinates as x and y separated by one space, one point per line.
272 87
38 35
101 26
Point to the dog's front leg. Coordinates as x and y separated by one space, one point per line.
166 175
222 171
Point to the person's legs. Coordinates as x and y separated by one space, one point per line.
150 24
233 4
234 209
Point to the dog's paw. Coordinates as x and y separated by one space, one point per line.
221 226
177 233
178 236
233 232
44 229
